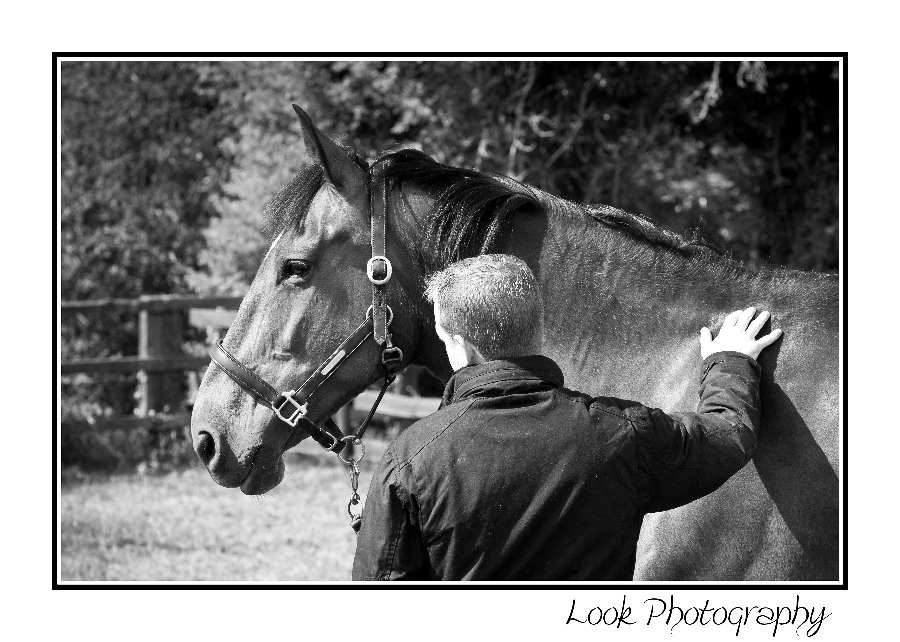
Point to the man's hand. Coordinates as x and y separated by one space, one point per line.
738 334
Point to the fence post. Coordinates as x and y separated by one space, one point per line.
160 333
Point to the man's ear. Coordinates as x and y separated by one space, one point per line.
341 170
473 355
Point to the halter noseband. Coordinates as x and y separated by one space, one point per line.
291 406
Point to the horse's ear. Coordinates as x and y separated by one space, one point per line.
340 169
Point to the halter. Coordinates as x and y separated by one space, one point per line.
292 406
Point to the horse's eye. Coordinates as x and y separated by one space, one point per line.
295 269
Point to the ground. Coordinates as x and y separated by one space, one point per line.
182 526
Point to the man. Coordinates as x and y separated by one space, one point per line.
517 478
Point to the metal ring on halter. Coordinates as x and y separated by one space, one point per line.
370 269
390 313
356 442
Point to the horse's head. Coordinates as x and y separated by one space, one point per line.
311 291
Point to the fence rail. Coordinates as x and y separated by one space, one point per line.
129 365
152 302
161 364
161 422
392 406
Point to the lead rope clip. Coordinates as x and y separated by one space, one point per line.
353 465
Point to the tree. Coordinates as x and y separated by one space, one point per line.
140 163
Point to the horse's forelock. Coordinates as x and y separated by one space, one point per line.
291 202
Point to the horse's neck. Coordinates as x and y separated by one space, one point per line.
621 318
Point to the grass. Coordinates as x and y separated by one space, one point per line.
182 526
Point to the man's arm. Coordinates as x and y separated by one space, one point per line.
389 545
689 455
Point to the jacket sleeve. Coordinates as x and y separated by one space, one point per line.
685 456
389 545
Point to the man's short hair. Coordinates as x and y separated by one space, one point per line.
493 301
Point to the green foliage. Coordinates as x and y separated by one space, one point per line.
140 163
255 99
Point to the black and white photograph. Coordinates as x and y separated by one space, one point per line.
508 321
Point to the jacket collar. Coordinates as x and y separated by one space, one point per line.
503 377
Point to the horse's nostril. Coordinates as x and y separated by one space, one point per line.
205 447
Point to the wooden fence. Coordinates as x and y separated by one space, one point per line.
161 364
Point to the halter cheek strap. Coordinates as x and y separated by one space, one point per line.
379 268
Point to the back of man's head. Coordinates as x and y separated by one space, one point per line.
492 301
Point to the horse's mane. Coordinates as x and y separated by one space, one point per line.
292 201
644 229
472 207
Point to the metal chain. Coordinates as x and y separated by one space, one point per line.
353 466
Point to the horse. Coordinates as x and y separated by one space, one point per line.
624 302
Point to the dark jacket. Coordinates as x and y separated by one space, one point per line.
518 478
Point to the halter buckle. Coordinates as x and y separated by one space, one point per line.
391 356
370 269
298 411
334 443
